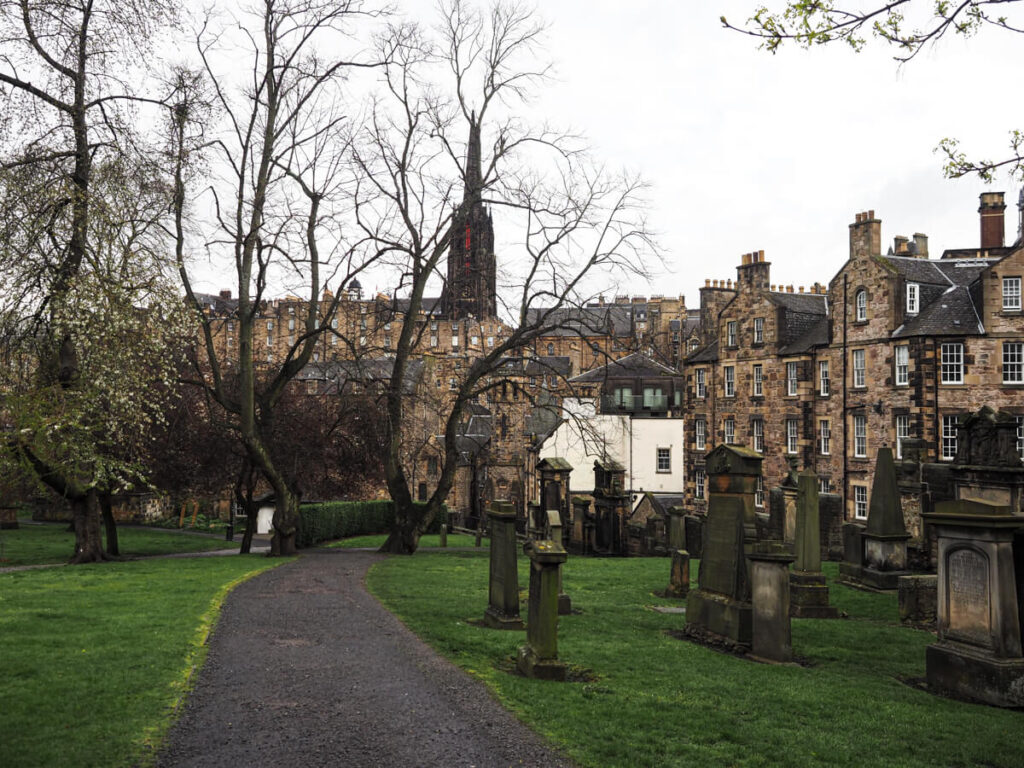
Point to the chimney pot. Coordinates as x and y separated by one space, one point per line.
801 289
993 228
789 289
745 259
871 215
707 282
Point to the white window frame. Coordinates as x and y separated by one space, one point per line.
455 341
824 437
758 378
792 435
729 430
952 363
759 491
1011 294
1020 435
700 434
1013 362
730 333
913 298
860 502
663 457
859 368
824 485
759 330
861 302
729 381
702 383
902 432
902 357
823 380
949 429
860 435
792 380
757 435
699 483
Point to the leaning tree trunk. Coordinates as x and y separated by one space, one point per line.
286 523
88 539
110 525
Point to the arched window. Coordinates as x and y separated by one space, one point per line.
862 305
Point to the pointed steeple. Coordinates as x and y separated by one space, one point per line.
474 176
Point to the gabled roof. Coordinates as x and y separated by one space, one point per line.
544 364
218 305
630 366
708 354
814 336
951 314
610 319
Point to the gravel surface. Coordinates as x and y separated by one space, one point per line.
305 668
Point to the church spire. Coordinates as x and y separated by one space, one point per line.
474 177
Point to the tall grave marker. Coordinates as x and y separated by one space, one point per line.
503 604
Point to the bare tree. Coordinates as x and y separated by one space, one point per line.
575 221
275 157
908 25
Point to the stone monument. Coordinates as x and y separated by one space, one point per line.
679 577
539 657
503 605
808 598
772 638
555 534
979 651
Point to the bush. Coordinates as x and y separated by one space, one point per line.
341 519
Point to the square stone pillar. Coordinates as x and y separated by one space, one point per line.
771 636
503 607
539 657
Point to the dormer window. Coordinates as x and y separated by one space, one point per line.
913 298
862 305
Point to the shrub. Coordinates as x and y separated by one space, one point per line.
341 519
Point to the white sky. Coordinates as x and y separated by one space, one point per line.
746 151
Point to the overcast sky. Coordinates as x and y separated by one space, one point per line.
747 151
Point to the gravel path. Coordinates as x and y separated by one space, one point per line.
306 669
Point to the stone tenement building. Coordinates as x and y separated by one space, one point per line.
899 346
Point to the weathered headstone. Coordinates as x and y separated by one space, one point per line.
539 657
679 578
919 600
979 652
579 535
503 605
769 583
808 598
676 528
555 534
720 607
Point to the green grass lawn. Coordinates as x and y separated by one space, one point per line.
93 658
659 701
53 543
430 540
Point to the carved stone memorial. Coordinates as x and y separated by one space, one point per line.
503 604
539 657
979 652
808 597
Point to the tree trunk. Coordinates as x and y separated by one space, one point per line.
88 540
410 523
107 508
286 524
251 513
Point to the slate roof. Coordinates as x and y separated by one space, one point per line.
429 305
611 319
708 354
543 365
376 370
634 365
815 336
807 303
952 314
662 502
212 302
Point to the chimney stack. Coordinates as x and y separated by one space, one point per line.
993 230
921 244
225 295
865 236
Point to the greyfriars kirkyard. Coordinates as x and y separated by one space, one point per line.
504 383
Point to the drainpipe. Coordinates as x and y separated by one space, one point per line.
846 426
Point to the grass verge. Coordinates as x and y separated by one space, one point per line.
428 540
53 543
94 659
659 701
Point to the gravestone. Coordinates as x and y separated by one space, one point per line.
808 598
919 600
8 518
443 535
679 578
539 657
555 534
720 607
772 637
884 538
503 605
695 535
611 507
676 528
979 652
579 530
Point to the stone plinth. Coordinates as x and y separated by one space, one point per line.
539 657
503 605
676 528
979 653
679 579
918 600
769 584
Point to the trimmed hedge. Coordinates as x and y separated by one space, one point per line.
341 519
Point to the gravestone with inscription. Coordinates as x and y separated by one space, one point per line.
539 657
772 638
979 652
503 605
808 598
